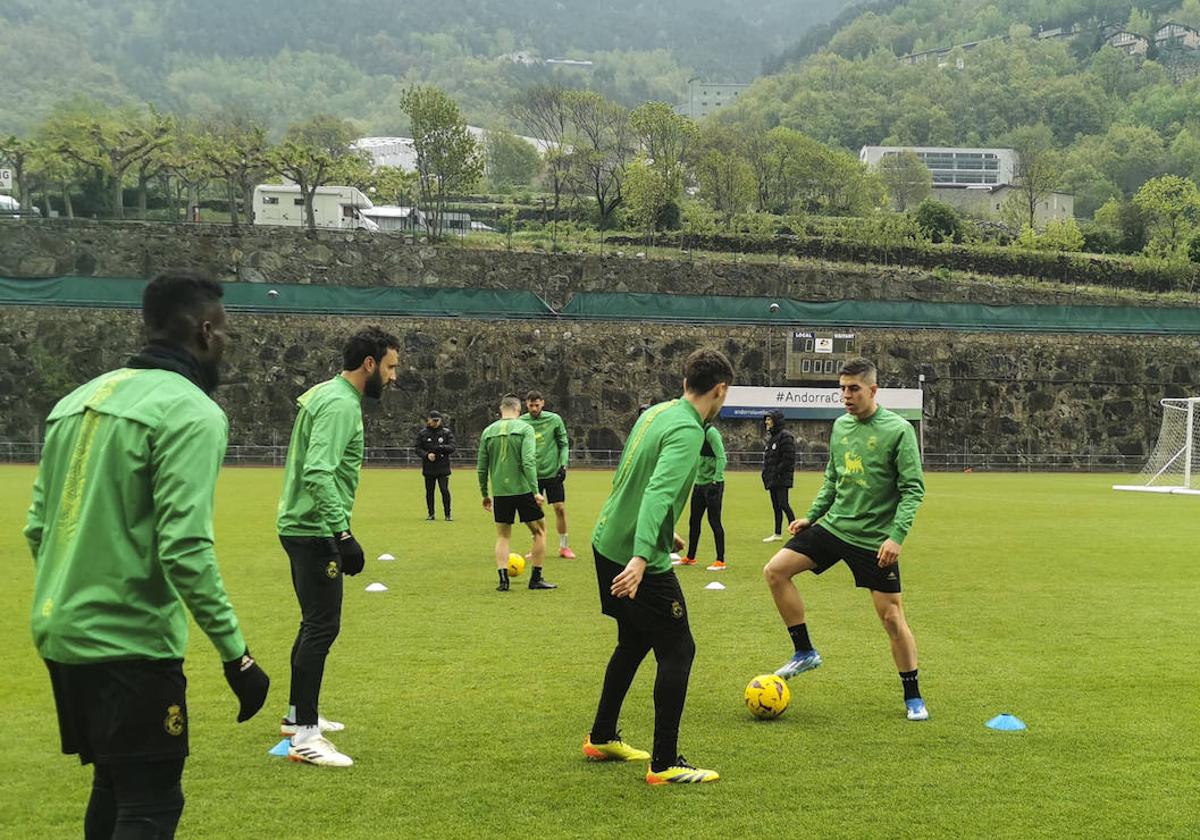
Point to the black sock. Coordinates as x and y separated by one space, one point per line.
537 574
503 575
799 634
909 680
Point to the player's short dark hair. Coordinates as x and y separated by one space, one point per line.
371 341
175 299
705 369
534 395
510 401
863 368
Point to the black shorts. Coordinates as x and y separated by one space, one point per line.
552 488
506 508
825 550
121 712
658 609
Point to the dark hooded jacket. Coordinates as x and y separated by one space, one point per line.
441 443
779 456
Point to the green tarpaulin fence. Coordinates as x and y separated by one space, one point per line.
126 293
117 292
902 314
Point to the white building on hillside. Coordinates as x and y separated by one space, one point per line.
399 151
953 166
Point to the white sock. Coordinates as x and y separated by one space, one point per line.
291 715
305 733
562 540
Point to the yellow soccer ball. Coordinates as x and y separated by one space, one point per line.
516 565
767 696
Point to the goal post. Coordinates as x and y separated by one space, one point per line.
1174 465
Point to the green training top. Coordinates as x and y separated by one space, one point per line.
550 438
712 467
324 461
651 486
121 522
506 456
873 481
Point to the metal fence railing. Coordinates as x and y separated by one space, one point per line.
241 454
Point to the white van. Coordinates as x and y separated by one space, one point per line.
335 207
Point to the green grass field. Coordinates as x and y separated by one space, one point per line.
1047 596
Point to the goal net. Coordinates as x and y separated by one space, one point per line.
1174 466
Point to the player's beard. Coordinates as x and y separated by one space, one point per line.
374 385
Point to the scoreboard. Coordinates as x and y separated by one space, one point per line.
818 356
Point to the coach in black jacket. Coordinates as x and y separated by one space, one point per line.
434 444
779 461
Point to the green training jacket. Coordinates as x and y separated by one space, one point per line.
550 440
121 522
873 480
507 457
712 458
651 487
323 463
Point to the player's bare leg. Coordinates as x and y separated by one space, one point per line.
503 538
778 574
890 610
538 555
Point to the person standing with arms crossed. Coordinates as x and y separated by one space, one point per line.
324 460
434 444
779 463
865 508
553 455
121 532
508 461
708 495
632 541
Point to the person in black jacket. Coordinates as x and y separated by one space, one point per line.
434 444
779 461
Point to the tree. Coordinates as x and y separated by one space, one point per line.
646 194
601 146
936 220
315 153
393 185
544 111
448 158
666 138
238 152
907 179
509 160
1037 171
725 177
18 154
110 142
1172 206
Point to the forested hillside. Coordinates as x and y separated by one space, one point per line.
284 61
1116 120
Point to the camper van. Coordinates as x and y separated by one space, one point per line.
340 208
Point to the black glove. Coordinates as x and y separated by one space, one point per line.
562 473
351 553
249 682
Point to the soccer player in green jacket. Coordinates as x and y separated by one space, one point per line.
707 497
324 460
508 461
862 513
553 454
632 543
122 539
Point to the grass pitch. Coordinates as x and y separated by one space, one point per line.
1050 597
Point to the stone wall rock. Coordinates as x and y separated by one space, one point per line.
1033 394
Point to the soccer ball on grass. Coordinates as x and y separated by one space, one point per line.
516 565
767 696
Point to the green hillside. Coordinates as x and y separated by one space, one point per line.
287 60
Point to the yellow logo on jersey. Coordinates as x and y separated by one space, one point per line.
852 462
47 607
871 442
174 721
